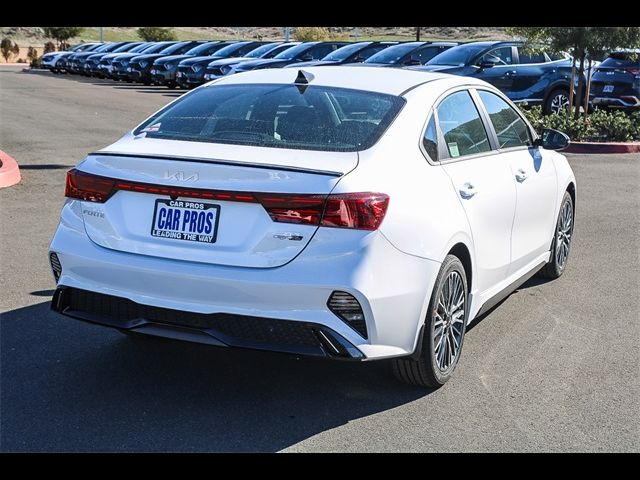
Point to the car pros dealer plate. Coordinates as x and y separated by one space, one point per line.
185 220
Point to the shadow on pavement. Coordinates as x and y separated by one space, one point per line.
70 386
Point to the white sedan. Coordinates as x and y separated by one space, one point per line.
351 213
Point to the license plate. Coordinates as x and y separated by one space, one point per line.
608 89
185 220
179 74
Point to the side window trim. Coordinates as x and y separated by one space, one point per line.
443 153
487 120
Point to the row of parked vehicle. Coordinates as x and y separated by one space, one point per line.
541 78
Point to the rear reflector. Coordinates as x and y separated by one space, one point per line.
362 210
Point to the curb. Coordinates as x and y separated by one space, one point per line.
9 171
602 147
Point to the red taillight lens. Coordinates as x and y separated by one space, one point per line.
91 188
361 211
633 70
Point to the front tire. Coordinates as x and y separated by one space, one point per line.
557 102
562 237
443 332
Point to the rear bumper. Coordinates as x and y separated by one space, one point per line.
219 329
392 287
630 101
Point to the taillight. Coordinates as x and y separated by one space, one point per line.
633 70
360 211
91 188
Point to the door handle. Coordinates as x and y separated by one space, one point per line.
521 175
511 73
467 191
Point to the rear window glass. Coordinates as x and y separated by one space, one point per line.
622 59
279 116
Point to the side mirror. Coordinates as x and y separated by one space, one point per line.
486 64
412 61
552 140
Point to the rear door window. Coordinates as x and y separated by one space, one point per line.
461 126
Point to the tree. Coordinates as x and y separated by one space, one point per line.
314 34
62 34
8 49
34 58
156 34
49 47
581 43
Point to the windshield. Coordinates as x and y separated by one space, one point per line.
293 52
278 116
140 48
346 51
258 52
201 49
173 48
392 54
229 49
156 47
124 48
458 56
81 47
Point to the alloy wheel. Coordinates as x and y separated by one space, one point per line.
563 236
559 103
448 321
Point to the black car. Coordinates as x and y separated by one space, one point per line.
120 64
75 62
139 68
352 53
527 78
91 64
305 52
105 65
163 71
616 81
224 66
191 71
408 53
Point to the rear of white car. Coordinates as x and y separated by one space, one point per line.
300 212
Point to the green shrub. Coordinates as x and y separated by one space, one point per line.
314 34
156 34
600 126
34 58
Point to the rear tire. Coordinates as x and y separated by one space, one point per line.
443 332
557 102
561 244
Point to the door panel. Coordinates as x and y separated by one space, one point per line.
535 215
490 207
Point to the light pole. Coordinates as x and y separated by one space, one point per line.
101 34
287 30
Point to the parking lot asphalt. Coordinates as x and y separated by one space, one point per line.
556 367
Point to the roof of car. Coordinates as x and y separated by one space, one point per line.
393 81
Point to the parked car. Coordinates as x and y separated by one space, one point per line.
53 60
540 78
78 59
139 69
408 53
92 62
120 64
347 213
105 66
163 70
616 81
191 71
224 66
305 52
351 53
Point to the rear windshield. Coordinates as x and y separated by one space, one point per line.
278 116
622 59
